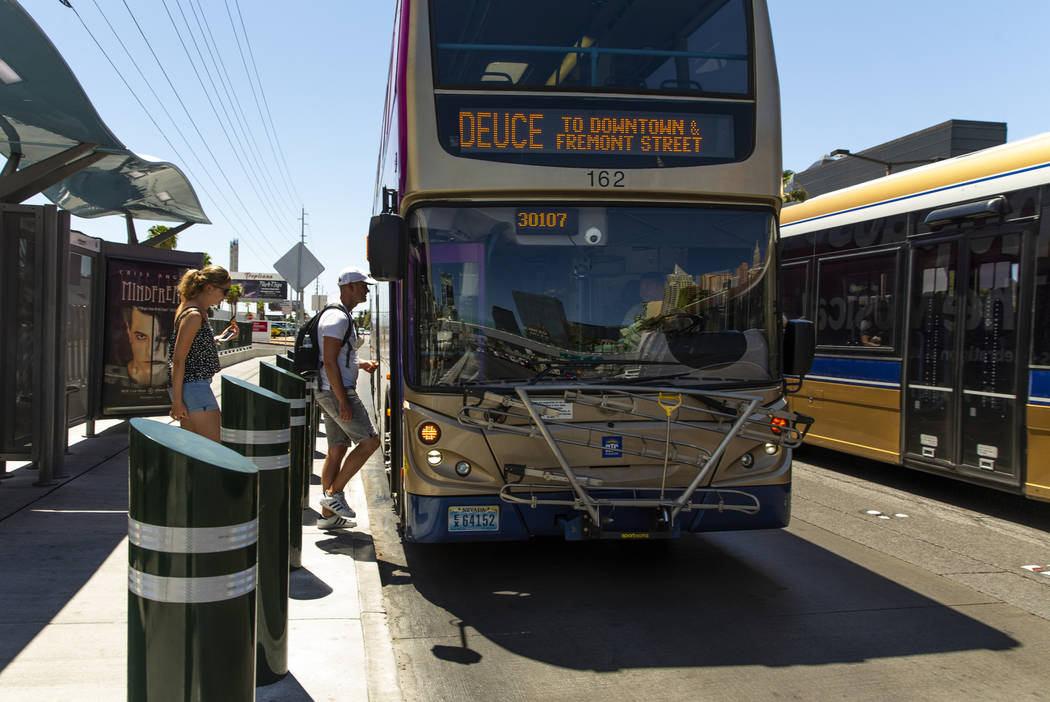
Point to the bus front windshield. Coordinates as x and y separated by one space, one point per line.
673 46
539 293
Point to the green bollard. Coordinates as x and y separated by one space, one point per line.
312 412
293 388
313 415
192 531
255 423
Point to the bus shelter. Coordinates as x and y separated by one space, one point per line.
57 306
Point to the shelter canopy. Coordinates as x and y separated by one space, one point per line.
56 143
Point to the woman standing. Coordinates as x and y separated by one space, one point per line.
193 357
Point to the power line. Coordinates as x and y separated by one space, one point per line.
247 73
131 90
275 141
193 123
247 142
227 83
204 89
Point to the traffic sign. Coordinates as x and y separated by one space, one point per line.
299 267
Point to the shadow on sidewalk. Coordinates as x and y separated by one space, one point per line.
304 585
287 689
57 538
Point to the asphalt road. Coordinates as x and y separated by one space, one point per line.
888 584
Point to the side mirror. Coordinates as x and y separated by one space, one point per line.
387 247
800 343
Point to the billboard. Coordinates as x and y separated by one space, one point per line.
261 287
140 292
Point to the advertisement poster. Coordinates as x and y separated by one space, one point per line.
141 298
261 287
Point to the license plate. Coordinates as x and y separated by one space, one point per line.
473 518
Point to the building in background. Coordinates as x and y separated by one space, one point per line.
942 141
235 255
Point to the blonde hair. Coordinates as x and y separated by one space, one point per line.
194 280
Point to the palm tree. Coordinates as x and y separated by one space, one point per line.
796 192
232 297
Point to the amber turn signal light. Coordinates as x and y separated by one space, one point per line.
429 433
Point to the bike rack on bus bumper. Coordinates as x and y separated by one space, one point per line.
743 413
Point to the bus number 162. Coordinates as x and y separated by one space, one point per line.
606 179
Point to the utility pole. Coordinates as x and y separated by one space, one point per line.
299 267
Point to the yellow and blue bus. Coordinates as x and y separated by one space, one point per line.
576 207
930 291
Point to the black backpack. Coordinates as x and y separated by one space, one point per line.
307 349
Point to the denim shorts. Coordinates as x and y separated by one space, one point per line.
338 432
197 396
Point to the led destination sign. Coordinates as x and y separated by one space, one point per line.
550 131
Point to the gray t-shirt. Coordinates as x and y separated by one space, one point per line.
334 323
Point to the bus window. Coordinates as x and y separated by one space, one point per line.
794 294
855 300
862 235
684 46
798 246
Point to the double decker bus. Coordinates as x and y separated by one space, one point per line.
576 208
930 290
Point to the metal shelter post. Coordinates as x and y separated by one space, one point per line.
49 449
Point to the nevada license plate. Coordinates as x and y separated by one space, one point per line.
473 518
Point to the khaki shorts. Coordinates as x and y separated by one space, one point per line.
338 432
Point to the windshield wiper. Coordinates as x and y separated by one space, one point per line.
719 384
552 364
649 378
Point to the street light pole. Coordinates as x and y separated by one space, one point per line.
887 164
299 268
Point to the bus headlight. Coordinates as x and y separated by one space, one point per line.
434 457
772 449
462 469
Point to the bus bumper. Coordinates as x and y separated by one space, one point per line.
433 520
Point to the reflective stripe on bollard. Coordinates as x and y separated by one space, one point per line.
293 388
192 545
255 423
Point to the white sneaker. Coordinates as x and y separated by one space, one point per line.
336 501
334 521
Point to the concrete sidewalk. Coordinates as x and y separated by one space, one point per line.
63 588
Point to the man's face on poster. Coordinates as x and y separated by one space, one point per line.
149 350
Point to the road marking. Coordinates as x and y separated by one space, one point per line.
880 515
1043 570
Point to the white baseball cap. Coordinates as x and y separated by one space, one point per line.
354 275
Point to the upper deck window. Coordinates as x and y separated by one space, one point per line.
679 47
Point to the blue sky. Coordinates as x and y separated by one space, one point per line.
852 75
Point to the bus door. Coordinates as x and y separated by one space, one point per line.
961 407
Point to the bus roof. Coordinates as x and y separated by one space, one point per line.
969 176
